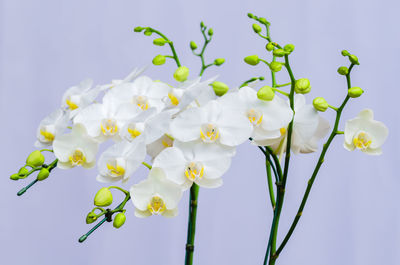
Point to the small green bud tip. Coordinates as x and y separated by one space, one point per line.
14 177
82 238
355 92
261 78
263 20
250 15
269 46
288 48
266 93
275 66
252 59
193 45
219 61
181 74
119 220
23 171
35 159
256 28
353 59
302 86
202 24
279 52
219 88
345 53
147 32
91 217
159 42
103 197
159 60
320 104
210 32
138 29
43 174
343 70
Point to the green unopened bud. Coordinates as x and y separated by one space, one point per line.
119 220
159 42
250 15
43 174
266 93
219 61
159 60
181 74
14 177
23 171
193 45
35 159
353 59
91 217
103 197
219 88
263 20
256 28
210 32
355 92
343 70
302 86
148 32
345 53
275 66
279 53
202 24
138 29
252 59
269 46
288 48
320 104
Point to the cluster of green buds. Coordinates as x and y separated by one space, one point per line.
34 162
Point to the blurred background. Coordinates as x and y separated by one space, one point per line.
353 213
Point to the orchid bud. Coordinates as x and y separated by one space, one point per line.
270 46
23 171
275 66
103 197
210 32
14 177
35 159
219 61
343 70
138 29
147 32
159 60
250 15
219 88
252 59
43 174
355 92
263 20
320 104
181 74
193 45
256 28
119 220
345 53
353 59
159 42
279 53
288 48
91 217
202 24
266 93
302 86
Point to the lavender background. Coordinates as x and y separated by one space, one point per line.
353 213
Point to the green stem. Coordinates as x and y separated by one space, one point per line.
287 84
201 54
23 190
272 72
171 45
194 193
270 184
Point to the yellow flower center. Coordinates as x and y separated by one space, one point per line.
156 205
362 140
255 117
77 158
141 102
116 168
173 98
71 104
167 141
134 132
282 130
194 171
48 136
209 133
109 127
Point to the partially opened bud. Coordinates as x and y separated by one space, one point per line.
35 159
219 61
275 66
43 174
302 86
159 60
256 28
159 42
219 88
252 59
193 45
103 197
320 104
266 93
181 74
343 70
279 53
91 217
119 220
355 92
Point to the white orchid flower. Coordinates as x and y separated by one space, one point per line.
78 97
120 160
75 149
129 78
156 195
195 162
154 148
211 123
51 126
365 133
